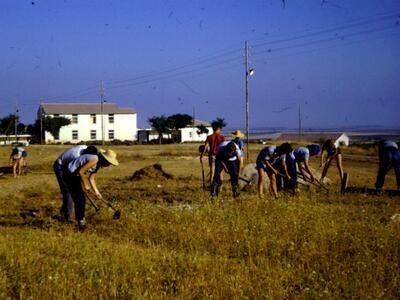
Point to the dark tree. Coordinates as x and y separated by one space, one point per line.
53 125
161 124
7 124
202 129
180 121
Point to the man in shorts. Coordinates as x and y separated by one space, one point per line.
389 157
211 145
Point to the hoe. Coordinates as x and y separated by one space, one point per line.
117 212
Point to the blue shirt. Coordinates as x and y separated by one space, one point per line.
240 145
82 160
388 144
301 154
69 155
221 153
266 154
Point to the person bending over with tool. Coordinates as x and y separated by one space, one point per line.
81 174
332 152
282 154
60 168
211 145
389 157
226 159
271 161
300 156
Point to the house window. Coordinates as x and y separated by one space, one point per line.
111 134
111 118
74 119
74 134
93 135
93 118
190 134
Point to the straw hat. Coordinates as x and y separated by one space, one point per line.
110 156
237 134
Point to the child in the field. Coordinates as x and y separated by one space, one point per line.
332 152
16 160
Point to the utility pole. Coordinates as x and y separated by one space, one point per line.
246 49
299 122
193 130
101 114
41 123
16 123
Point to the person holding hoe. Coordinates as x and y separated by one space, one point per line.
271 161
226 159
332 152
17 158
81 175
211 145
60 168
300 157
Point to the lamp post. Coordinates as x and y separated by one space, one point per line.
249 72
101 113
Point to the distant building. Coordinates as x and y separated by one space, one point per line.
316 137
86 125
15 139
188 134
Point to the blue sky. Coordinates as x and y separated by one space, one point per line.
337 60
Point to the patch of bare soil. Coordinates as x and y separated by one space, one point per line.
151 172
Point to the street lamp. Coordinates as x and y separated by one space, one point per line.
249 72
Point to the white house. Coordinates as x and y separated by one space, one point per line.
188 134
191 133
91 121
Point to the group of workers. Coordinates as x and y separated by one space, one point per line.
76 168
282 163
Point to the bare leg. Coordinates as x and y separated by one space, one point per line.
260 184
272 187
326 167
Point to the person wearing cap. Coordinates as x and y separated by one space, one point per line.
389 157
300 156
237 139
81 174
226 159
332 152
60 168
271 161
211 145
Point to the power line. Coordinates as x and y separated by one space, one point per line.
334 29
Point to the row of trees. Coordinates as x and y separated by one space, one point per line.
167 125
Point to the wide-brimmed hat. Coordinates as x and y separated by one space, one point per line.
109 156
237 134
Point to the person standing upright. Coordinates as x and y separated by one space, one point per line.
211 145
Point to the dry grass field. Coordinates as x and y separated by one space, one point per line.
172 241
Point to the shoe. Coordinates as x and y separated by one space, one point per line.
82 225
235 191
214 190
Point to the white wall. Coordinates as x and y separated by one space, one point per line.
190 135
124 126
343 139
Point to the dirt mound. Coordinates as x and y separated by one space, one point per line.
151 172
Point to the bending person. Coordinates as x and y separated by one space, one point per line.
301 157
389 157
332 152
226 159
60 168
